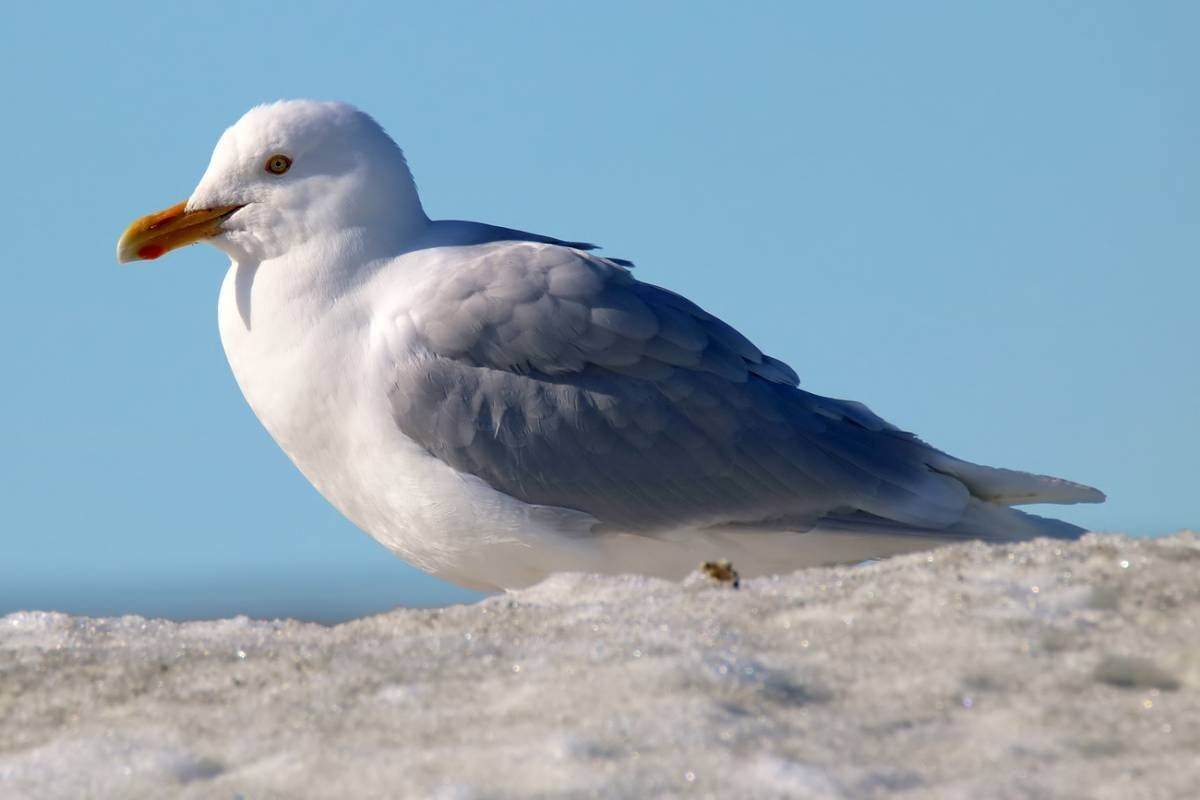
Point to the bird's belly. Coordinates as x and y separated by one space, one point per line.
336 427
383 482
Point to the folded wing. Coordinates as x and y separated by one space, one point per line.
559 379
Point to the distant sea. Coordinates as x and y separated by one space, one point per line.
312 593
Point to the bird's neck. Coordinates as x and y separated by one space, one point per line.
312 275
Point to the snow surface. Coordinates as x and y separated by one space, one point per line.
1041 670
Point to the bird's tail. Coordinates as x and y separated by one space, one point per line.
1008 487
995 522
981 519
987 514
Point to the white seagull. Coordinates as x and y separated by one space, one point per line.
494 405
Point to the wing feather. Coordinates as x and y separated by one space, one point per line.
557 378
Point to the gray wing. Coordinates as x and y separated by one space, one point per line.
559 379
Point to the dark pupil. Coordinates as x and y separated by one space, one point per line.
277 164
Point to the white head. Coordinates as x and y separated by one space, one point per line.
284 174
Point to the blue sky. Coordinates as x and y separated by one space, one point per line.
980 219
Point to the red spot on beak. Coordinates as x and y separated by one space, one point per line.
151 251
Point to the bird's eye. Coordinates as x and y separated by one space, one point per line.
278 164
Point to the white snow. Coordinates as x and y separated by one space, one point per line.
1041 670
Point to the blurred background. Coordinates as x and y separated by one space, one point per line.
979 219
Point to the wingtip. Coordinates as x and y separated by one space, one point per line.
1083 493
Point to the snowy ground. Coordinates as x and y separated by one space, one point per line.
1045 670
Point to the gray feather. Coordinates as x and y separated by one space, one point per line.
558 379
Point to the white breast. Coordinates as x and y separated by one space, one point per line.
315 370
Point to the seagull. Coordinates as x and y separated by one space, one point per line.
494 405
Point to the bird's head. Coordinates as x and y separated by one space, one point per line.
283 174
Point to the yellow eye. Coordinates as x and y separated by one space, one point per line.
278 164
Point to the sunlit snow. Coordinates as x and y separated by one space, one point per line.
1046 669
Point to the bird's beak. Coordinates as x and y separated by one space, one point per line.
154 234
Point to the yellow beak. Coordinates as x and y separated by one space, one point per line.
154 234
